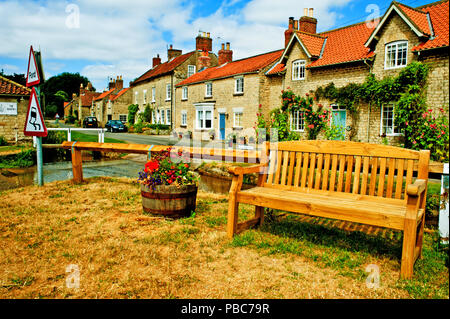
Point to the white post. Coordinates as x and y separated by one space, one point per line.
443 211
69 135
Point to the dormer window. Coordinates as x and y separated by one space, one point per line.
298 70
191 70
396 55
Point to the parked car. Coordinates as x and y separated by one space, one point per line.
115 126
90 121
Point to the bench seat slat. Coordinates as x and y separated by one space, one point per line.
354 208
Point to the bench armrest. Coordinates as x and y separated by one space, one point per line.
417 188
239 170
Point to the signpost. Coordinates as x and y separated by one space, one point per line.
34 122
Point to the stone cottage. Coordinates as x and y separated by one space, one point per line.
113 103
349 54
222 101
14 99
156 86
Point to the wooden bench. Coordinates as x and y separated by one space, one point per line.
377 185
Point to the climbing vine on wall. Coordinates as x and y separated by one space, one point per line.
315 118
407 89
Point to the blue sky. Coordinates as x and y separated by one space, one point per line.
107 38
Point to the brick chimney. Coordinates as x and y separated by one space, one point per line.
172 53
119 83
112 84
203 42
225 55
289 32
307 23
156 61
204 61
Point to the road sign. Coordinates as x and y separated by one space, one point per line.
33 76
34 123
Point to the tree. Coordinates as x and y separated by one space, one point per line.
66 82
18 78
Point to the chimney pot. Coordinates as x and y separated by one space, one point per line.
305 12
311 10
223 46
207 34
295 24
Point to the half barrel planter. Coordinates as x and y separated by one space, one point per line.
169 200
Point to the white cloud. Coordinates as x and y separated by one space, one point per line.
117 37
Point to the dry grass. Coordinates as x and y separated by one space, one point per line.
122 253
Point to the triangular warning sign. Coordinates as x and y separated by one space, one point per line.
34 122
33 77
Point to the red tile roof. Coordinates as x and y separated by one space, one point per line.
247 65
114 97
344 45
276 69
163 68
417 17
86 99
313 42
347 44
104 94
439 15
12 88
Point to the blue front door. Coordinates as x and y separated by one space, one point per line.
339 121
222 126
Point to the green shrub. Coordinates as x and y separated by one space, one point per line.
3 141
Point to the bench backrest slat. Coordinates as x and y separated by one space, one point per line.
348 167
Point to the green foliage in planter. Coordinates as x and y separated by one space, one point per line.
132 110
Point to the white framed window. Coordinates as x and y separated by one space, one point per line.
162 117
168 116
297 121
204 117
123 118
396 55
191 70
184 118
298 70
153 94
144 96
168 92
239 85
208 89
388 126
237 119
184 93
136 95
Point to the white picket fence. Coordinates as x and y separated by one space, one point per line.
100 131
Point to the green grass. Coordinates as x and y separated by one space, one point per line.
81 137
348 252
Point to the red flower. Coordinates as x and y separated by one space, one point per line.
151 166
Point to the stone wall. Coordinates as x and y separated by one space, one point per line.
224 100
12 126
160 82
369 117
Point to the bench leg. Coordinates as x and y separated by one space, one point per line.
259 213
419 241
233 211
408 250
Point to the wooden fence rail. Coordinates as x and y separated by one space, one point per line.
219 154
